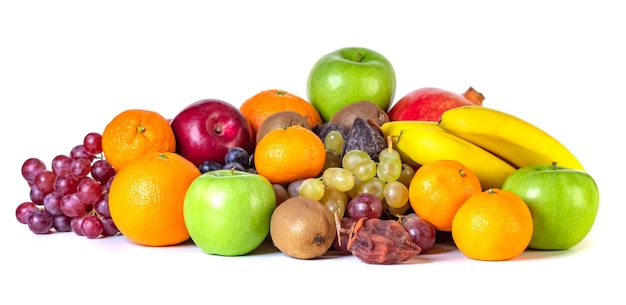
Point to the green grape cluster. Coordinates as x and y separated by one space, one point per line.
356 173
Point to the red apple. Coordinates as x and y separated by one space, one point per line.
206 129
427 104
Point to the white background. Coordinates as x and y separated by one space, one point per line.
67 67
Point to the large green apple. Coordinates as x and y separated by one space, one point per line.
563 203
227 212
350 75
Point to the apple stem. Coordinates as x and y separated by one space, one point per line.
553 164
358 57
474 96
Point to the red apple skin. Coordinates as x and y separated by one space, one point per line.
206 129
427 104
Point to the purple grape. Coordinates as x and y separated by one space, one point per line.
93 143
102 205
108 227
239 155
45 181
344 235
31 167
422 232
79 151
36 196
89 190
80 167
66 184
209 165
72 205
76 224
61 165
102 170
62 223
91 226
23 211
40 222
235 165
365 205
52 203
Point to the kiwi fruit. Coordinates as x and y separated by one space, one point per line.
303 228
281 119
366 110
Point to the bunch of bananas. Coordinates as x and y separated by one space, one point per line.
489 142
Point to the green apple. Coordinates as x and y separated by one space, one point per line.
227 212
350 75
563 203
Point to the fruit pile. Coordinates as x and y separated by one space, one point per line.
347 171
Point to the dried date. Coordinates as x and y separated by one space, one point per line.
384 242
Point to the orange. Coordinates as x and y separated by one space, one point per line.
493 225
288 154
146 198
135 132
265 103
439 188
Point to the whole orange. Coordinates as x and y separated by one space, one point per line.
493 225
288 154
146 198
439 188
265 103
135 132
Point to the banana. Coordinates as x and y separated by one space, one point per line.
423 145
393 129
507 136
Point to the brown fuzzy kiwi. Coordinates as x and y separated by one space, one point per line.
366 110
303 228
281 119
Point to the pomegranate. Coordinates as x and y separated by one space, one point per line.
427 104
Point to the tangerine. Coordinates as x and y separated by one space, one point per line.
288 154
493 225
439 188
146 198
265 103
135 132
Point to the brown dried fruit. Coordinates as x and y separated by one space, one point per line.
384 242
365 136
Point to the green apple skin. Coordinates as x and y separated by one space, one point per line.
228 212
563 202
349 75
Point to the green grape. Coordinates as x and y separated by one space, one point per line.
352 158
373 186
406 175
365 170
389 169
312 188
388 153
355 189
339 178
334 141
335 201
399 211
396 194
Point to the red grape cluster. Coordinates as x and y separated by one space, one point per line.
72 195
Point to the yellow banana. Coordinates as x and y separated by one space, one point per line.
393 129
507 136
425 145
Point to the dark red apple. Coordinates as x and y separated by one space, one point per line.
206 129
427 104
